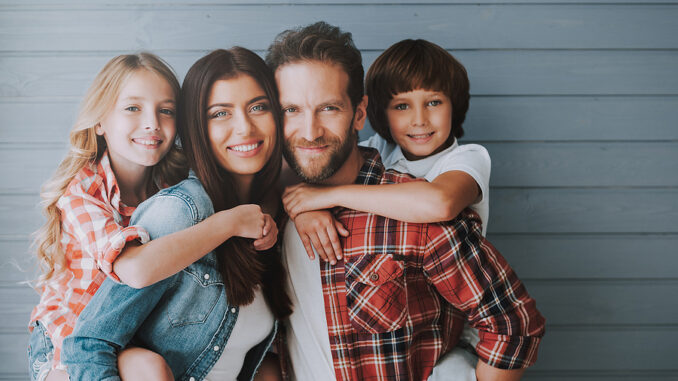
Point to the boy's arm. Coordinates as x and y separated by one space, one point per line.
415 201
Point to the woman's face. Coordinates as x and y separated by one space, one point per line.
240 125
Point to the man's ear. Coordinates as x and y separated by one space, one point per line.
360 114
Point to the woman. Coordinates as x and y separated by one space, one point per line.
221 308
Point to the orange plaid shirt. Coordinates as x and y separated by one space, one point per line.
93 232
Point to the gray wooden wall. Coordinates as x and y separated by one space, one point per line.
576 100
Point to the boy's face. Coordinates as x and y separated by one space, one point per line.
420 122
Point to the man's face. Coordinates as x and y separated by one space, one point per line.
319 121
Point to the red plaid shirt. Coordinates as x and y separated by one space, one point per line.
93 232
398 300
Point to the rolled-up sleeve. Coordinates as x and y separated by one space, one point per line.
474 277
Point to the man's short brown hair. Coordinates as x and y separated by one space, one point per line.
320 42
410 65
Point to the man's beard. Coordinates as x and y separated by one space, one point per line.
316 170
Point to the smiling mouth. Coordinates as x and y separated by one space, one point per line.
421 136
148 142
245 147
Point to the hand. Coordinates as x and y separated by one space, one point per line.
302 198
249 221
319 230
270 235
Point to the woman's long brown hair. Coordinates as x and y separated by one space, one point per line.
242 268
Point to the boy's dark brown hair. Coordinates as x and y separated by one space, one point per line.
320 42
410 65
242 268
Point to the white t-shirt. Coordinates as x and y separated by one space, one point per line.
307 339
253 324
470 158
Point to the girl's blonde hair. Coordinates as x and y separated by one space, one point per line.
86 148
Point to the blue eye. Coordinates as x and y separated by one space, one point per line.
401 106
132 108
434 103
289 109
259 107
167 111
220 114
330 108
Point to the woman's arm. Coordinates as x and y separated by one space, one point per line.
142 265
416 201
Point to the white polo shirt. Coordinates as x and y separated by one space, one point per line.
470 158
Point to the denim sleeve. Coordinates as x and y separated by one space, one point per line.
116 311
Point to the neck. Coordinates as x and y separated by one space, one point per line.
243 185
349 170
133 183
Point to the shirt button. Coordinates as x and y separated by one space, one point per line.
216 348
233 310
207 276
191 379
374 277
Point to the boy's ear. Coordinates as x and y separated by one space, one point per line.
360 114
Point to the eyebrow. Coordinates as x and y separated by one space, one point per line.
253 100
136 98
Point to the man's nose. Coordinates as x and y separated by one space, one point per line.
311 129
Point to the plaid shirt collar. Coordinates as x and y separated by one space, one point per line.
372 170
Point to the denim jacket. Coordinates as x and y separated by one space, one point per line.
185 318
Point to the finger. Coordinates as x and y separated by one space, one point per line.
267 225
318 246
265 243
327 246
307 246
341 229
334 240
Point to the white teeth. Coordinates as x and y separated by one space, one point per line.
421 136
245 147
147 142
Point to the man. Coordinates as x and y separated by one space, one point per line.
398 300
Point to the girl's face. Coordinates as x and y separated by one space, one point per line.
420 122
140 128
240 126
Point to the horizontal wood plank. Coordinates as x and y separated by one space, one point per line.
500 118
548 210
593 303
534 257
536 164
500 72
586 211
585 256
531 26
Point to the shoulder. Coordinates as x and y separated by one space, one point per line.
187 198
392 176
86 183
466 225
379 143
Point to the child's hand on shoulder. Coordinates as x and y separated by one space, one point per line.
320 230
302 198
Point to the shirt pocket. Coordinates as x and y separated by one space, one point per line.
375 293
194 294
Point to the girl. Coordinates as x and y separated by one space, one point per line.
122 151
418 98
218 316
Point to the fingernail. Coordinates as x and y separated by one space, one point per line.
334 262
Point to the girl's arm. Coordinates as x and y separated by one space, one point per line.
416 201
140 265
